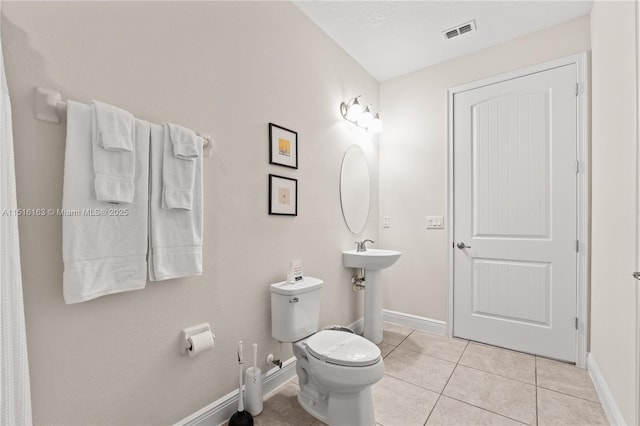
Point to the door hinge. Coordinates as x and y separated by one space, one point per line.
577 246
576 323
577 166
579 89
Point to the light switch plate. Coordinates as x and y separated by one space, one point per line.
435 222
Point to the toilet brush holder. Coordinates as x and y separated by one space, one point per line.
253 390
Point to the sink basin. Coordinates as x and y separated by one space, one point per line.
371 260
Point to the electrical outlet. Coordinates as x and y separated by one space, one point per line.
435 222
386 222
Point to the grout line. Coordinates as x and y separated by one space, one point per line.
486 409
465 402
405 337
559 391
448 379
396 346
486 372
412 384
431 355
498 374
436 403
569 395
509 350
454 370
506 378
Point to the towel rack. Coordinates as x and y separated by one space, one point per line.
51 108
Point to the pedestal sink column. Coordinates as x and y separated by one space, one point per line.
373 306
372 261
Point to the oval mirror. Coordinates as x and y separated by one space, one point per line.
355 189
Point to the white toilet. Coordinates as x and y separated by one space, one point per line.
336 369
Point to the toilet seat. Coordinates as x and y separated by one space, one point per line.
342 348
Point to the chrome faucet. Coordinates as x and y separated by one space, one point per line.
361 245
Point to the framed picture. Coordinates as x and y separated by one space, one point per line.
283 195
283 146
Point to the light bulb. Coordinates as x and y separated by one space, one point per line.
376 124
354 111
366 118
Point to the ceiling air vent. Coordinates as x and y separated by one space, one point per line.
451 33
459 30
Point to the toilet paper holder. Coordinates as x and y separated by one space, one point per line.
185 345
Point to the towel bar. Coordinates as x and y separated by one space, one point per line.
51 108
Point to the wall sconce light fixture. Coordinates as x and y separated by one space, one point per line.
353 112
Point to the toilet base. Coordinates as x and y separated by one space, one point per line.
341 409
317 406
342 405
352 409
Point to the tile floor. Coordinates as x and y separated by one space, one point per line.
435 380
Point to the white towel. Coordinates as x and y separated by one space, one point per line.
179 166
175 235
104 246
113 153
184 141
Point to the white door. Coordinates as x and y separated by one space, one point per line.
515 207
637 212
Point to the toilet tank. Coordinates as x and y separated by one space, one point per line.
295 309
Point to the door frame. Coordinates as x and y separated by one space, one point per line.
583 195
637 419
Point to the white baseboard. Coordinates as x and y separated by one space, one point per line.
413 321
614 415
221 410
357 325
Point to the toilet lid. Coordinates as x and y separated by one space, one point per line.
342 348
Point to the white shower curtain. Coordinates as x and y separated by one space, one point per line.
15 393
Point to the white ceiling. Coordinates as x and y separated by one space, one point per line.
392 38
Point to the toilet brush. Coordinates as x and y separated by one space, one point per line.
253 385
240 417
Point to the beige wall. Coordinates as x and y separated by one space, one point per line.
413 159
227 68
613 142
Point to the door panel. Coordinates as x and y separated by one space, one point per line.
513 290
515 201
511 166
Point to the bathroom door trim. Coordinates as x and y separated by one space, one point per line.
583 219
637 413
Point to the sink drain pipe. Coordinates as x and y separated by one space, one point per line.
358 280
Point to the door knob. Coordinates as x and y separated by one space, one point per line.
462 245
636 275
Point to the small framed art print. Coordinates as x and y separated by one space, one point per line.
283 195
283 146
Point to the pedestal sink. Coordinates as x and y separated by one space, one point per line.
373 261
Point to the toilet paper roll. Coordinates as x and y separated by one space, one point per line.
199 343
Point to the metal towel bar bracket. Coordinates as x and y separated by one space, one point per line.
51 108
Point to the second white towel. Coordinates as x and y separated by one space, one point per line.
179 166
175 235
